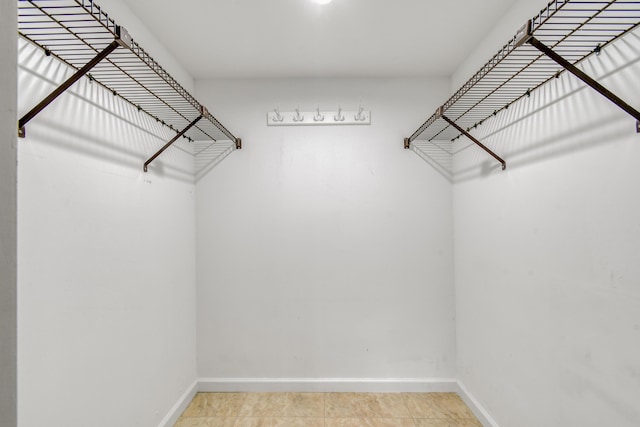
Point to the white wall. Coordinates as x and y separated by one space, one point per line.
106 259
8 214
324 252
501 32
547 255
122 14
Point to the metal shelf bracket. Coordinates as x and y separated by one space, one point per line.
564 32
440 115
123 38
84 37
203 113
579 73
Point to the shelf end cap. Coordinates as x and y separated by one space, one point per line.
524 34
123 36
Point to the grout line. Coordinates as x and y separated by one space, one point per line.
324 408
406 402
244 402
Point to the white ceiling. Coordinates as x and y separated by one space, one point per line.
298 38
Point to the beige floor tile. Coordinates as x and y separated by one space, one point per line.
279 422
365 405
340 410
369 422
215 405
206 422
447 423
279 405
446 406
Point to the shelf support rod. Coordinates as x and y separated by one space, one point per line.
585 78
66 85
122 38
174 139
440 114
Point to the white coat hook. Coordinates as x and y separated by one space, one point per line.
318 117
278 118
298 117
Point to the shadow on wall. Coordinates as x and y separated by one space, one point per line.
562 117
438 154
90 121
209 154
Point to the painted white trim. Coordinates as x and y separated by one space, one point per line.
172 417
478 410
325 385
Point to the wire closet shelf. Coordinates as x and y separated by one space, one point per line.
572 29
83 36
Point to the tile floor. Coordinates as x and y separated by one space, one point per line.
327 410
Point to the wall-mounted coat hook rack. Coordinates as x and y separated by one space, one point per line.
318 117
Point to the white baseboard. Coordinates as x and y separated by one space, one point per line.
478 410
180 406
325 385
